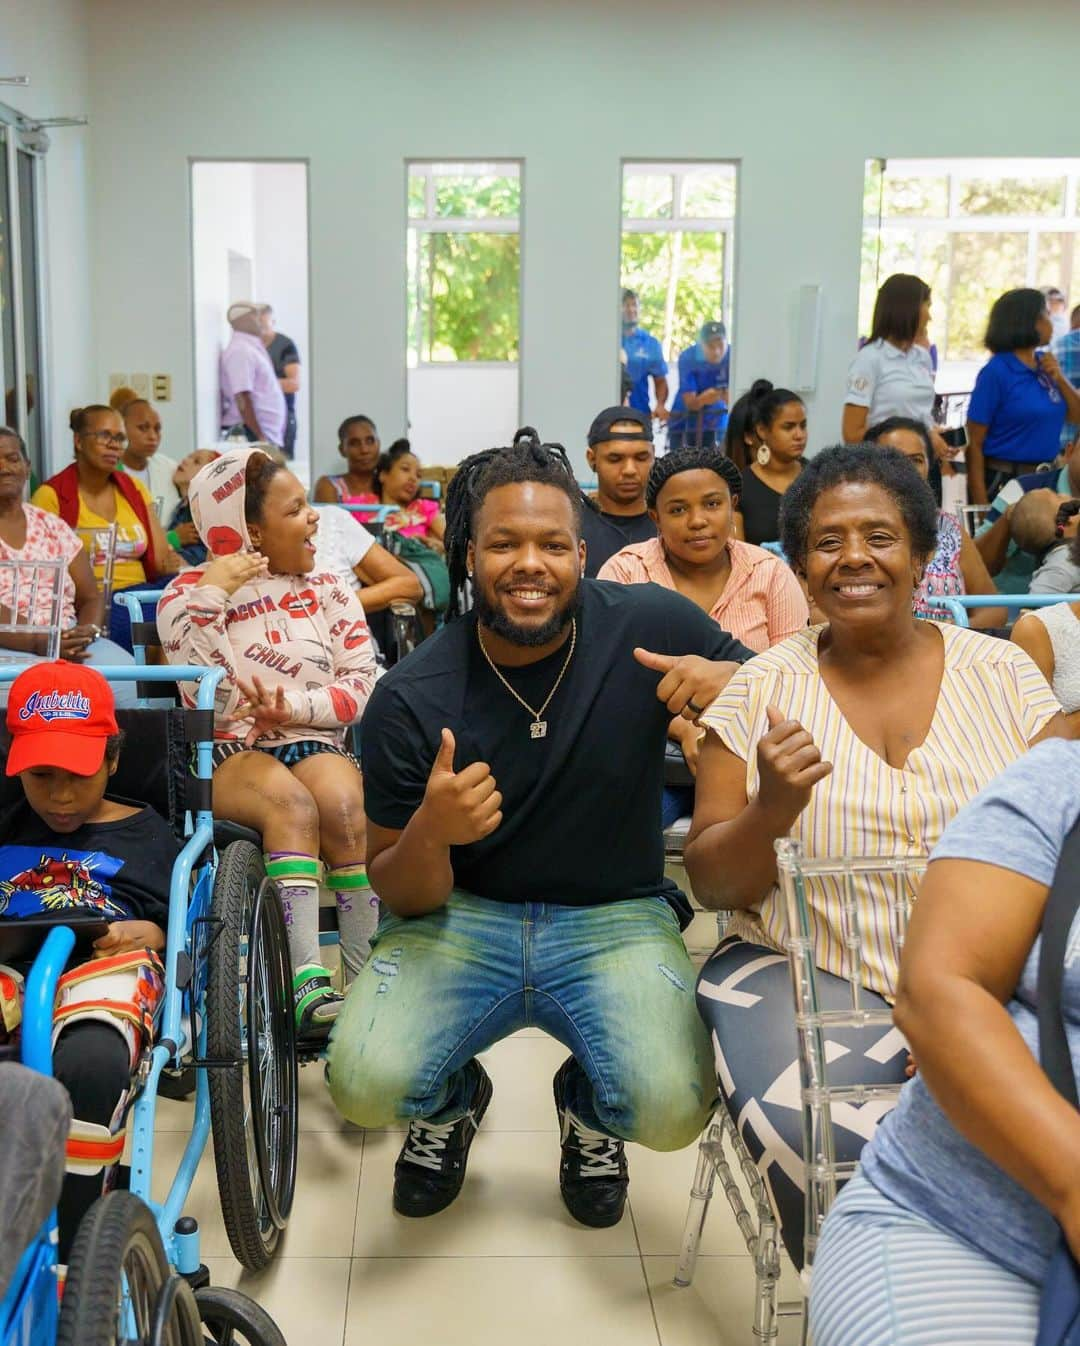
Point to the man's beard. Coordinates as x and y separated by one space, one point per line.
499 624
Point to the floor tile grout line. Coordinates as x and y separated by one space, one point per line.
644 1271
352 1242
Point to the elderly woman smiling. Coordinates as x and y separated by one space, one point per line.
862 736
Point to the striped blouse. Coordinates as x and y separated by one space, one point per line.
762 602
993 701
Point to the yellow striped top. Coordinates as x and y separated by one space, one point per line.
993 701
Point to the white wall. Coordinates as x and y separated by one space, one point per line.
450 405
801 94
223 213
259 211
281 273
49 41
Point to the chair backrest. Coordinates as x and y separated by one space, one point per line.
971 517
26 583
892 882
153 767
100 544
959 606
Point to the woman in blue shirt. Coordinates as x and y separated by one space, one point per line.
1021 398
945 1233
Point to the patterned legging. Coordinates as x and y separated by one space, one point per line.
744 995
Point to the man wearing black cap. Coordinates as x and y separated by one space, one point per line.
699 412
620 452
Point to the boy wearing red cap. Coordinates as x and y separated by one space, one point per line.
71 854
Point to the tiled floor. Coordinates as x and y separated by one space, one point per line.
505 1264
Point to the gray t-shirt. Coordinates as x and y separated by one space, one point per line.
917 1158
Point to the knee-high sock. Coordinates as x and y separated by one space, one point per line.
358 914
297 878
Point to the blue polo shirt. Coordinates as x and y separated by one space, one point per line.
697 375
644 360
1022 410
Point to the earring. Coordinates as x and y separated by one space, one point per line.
763 455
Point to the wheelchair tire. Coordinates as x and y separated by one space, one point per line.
231 1319
253 1105
118 1259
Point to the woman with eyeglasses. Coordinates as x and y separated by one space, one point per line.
92 494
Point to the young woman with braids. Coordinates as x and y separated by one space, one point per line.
692 495
512 787
779 420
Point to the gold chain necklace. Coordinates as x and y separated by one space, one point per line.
538 728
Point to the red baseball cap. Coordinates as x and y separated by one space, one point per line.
59 714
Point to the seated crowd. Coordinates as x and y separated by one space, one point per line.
493 837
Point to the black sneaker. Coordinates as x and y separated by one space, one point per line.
431 1166
593 1176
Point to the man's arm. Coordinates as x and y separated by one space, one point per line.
410 869
246 408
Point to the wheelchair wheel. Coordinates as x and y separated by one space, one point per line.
231 1319
249 1020
119 1290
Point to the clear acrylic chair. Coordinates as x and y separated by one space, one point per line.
100 544
894 882
26 584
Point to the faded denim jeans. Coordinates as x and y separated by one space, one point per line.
612 982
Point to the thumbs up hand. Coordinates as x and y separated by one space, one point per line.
460 807
690 683
789 766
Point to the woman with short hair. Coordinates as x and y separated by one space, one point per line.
93 493
862 736
143 458
1021 398
29 535
956 567
358 444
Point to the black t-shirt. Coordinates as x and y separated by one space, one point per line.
760 507
581 806
119 871
606 534
282 351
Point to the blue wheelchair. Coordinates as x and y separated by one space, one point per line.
228 978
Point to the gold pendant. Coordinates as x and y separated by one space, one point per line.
538 729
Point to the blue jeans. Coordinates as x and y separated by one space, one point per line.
612 982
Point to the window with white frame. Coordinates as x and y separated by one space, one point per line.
678 223
972 229
464 263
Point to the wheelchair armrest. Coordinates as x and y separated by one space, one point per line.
225 833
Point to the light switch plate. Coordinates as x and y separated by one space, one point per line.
162 388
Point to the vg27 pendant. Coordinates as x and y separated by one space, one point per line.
538 729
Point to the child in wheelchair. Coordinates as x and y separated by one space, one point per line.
299 669
72 855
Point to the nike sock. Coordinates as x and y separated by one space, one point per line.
358 915
297 878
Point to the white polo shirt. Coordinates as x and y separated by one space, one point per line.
341 542
891 382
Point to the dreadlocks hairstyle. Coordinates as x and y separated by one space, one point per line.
525 460
691 460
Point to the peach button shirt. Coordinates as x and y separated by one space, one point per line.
762 602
